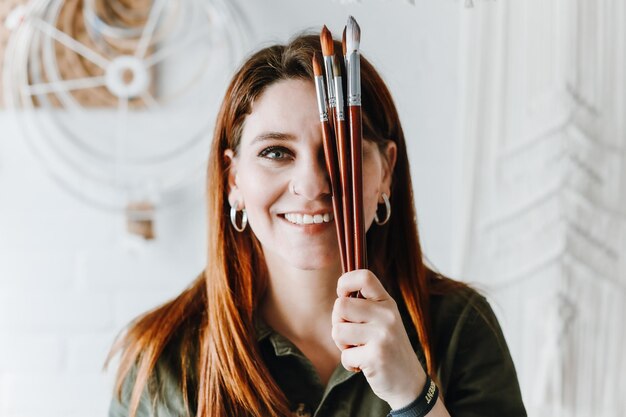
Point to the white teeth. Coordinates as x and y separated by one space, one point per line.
298 218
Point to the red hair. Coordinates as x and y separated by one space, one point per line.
215 314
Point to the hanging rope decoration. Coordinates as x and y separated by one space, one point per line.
130 15
139 219
113 95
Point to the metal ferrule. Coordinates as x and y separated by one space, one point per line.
340 103
328 65
321 98
354 79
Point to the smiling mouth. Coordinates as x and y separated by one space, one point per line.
304 219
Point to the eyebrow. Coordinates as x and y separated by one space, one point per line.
273 136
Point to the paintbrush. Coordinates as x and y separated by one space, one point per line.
328 51
353 39
343 144
330 153
343 48
343 148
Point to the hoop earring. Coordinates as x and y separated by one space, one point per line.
233 217
387 209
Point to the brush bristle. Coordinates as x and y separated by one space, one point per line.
328 48
343 40
336 68
353 35
317 67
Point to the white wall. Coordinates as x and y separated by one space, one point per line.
70 279
69 283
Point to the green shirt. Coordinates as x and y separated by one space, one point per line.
475 372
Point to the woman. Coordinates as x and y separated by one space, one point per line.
268 328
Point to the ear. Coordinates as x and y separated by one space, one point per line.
230 161
389 155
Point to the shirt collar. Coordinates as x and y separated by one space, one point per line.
262 329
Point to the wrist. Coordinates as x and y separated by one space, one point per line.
409 394
422 405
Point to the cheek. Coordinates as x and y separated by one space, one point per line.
259 189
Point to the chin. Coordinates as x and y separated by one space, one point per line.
308 260
312 263
303 255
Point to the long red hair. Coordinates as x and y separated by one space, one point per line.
221 369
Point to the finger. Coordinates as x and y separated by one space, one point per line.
350 334
355 310
362 280
352 358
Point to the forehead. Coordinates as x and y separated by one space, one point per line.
287 106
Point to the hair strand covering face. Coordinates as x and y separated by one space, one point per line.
212 322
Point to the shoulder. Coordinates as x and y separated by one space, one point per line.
460 307
462 322
475 369
162 393
159 355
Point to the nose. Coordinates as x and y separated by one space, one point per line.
310 179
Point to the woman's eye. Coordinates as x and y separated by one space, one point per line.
275 153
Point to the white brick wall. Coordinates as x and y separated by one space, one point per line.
70 281
32 353
59 393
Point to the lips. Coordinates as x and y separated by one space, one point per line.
304 219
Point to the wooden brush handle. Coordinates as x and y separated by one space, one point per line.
330 152
356 151
346 190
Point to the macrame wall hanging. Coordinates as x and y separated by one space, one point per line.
114 97
543 206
